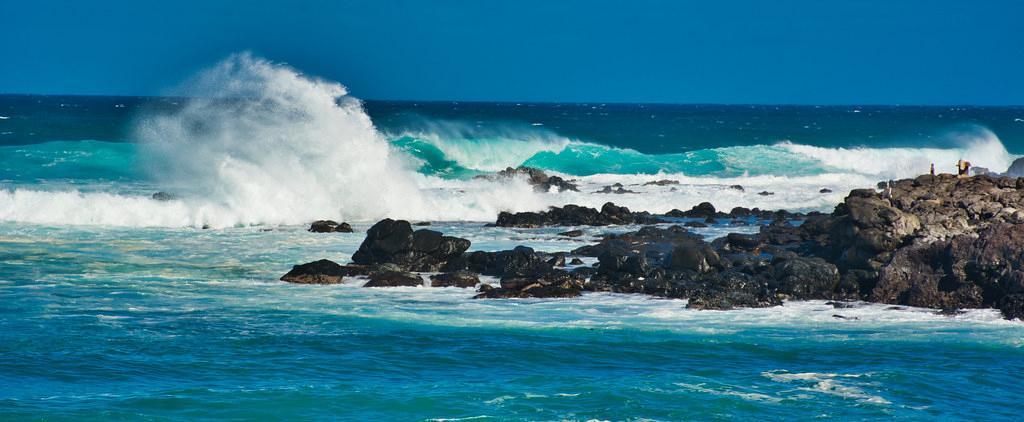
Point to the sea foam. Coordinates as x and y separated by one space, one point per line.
259 143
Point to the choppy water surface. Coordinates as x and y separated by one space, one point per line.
115 323
117 306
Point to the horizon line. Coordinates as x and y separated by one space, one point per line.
741 104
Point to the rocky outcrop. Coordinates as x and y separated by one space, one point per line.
329 226
394 242
933 241
966 271
574 215
540 180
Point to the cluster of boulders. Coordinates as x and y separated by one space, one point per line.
707 211
934 241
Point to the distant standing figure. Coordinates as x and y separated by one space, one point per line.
963 168
933 169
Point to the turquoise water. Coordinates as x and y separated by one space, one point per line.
119 307
104 324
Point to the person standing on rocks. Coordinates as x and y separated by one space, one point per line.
963 168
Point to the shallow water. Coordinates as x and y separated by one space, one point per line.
104 323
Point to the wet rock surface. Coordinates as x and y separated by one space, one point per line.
329 226
541 181
394 242
934 241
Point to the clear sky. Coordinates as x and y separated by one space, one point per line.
731 51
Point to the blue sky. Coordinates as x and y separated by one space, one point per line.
732 51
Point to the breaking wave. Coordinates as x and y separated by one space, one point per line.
260 143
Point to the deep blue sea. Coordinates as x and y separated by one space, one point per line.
117 306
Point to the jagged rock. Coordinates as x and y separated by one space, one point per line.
572 233
394 242
765 193
966 271
329 226
825 190
540 180
463 279
576 261
737 187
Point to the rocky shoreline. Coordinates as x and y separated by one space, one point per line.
933 241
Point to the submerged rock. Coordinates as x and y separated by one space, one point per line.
162 196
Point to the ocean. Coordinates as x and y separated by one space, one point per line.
118 306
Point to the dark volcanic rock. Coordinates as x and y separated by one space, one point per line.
463 279
732 289
394 242
162 196
322 272
540 180
574 215
1012 306
572 233
391 278
616 190
699 257
962 272
805 278
663 182
518 261
329 226
541 284
649 241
